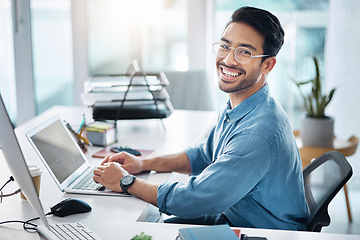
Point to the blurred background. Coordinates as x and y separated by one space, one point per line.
174 36
63 43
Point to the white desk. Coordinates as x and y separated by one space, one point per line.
163 231
117 217
182 129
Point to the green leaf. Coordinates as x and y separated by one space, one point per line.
321 108
303 83
142 236
331 94
310 106
317 79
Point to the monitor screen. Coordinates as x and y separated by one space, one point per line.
16 162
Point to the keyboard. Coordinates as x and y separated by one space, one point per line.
88 183
71 231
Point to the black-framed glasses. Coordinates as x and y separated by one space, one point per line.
241 54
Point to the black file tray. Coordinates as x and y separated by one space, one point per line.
132 96
145 110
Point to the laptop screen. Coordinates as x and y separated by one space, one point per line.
58 149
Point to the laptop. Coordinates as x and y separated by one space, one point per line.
16 162
64 159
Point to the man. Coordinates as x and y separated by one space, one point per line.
248 171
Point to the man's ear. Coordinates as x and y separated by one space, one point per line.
268 65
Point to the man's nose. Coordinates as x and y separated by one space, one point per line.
229 59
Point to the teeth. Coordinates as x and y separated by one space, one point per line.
231 74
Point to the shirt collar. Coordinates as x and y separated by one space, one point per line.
246 106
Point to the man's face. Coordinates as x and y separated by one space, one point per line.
233 76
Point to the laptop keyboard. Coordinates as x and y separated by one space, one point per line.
71 231
88 183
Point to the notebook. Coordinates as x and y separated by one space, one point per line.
214 232
64 159
16 162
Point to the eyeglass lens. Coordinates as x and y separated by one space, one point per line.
241 54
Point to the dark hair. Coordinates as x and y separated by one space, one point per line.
265 23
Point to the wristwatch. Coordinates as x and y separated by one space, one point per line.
126 182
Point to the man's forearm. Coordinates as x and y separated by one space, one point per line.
178 162
147 191
144 190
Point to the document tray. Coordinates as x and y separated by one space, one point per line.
138 110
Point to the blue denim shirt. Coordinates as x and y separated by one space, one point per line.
248 168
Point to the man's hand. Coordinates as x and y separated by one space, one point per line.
109 175
129 162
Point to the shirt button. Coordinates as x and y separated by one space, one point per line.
228 120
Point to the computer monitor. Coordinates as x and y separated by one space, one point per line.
16 162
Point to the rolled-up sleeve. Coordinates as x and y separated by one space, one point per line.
210 193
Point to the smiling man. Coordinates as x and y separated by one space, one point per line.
247 172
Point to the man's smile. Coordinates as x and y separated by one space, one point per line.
230 74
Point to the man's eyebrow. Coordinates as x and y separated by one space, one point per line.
248 46
240 45
225 40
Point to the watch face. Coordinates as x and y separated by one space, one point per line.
126 180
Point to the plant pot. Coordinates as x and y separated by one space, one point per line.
317 132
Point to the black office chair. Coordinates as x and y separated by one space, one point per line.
323 179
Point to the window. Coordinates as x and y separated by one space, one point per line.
52 53
150 31
7 70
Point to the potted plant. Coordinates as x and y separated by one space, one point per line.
317 129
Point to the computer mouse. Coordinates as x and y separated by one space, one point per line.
70 206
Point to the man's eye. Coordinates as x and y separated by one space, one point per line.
224 47
244 52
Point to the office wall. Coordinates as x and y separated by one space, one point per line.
342 68
190 90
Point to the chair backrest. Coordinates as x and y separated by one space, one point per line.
323 179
